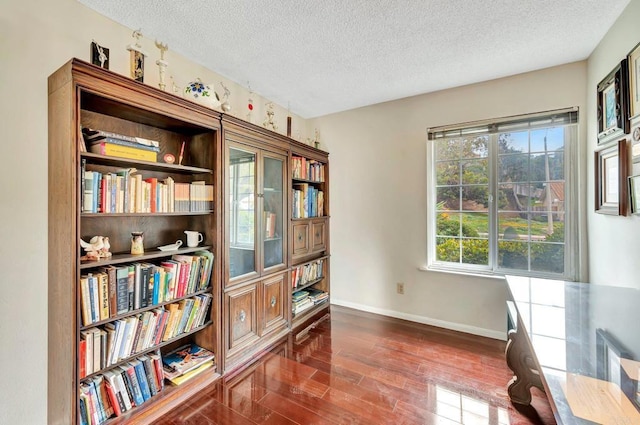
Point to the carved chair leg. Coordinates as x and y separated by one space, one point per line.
522 364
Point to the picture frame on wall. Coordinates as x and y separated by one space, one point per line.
613 103
635 145
611 172
634 194
633 61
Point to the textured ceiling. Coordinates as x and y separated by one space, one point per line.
325 56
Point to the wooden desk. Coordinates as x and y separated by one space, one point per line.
578 342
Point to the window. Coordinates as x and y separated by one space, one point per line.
500 195
242 195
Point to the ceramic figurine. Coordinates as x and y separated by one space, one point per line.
97 248
268 121
137 57
162 64
226 107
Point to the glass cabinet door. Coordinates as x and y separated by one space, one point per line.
273 198
242 211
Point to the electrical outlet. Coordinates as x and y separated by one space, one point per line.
400 288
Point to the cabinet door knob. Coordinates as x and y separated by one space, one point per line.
299 236
273 301
317 234
242 315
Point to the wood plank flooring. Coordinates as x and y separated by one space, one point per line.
361 368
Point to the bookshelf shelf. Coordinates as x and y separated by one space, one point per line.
308 284
146 351
311 311
172 214
86 96
148 255
142 310
298 180
146 165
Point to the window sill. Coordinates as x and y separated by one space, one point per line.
460 272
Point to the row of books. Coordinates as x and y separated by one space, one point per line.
117 289
307 169
118 145
307 298
120 389
186 362
301 275
104 346
127 191
307 201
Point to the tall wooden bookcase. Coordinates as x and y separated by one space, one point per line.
82 95
251 171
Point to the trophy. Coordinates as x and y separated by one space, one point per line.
162 64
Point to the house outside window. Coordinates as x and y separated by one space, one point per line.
500 195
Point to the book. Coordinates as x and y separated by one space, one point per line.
122 289
184 359
142 379
115 397
135 384
156 360
191 374
103 295
91 135
120 142
110 149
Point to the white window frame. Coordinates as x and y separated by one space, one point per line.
571 175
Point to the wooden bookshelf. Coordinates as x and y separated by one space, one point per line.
309 227
82 95
250 283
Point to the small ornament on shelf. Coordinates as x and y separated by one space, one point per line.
315 142
288 119
97 248
268 121
162 64
137 243
99 55
226 106
137 57
250 103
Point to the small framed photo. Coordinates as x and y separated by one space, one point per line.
634 194
635 145
613 103
611 179
633 60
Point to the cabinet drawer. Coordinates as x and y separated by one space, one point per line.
242 317
273 303
300 239
318 236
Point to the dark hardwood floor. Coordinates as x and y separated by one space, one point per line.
360 368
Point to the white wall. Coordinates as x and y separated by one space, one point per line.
36 38
614 241
378 198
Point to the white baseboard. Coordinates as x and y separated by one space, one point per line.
489 333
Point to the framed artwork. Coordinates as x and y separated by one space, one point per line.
613 103
634 194
633 60
635 145
611 179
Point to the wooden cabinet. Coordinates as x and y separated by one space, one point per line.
99 188
242 317
256 228
273 304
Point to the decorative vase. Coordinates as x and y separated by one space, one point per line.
137 243
202 93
